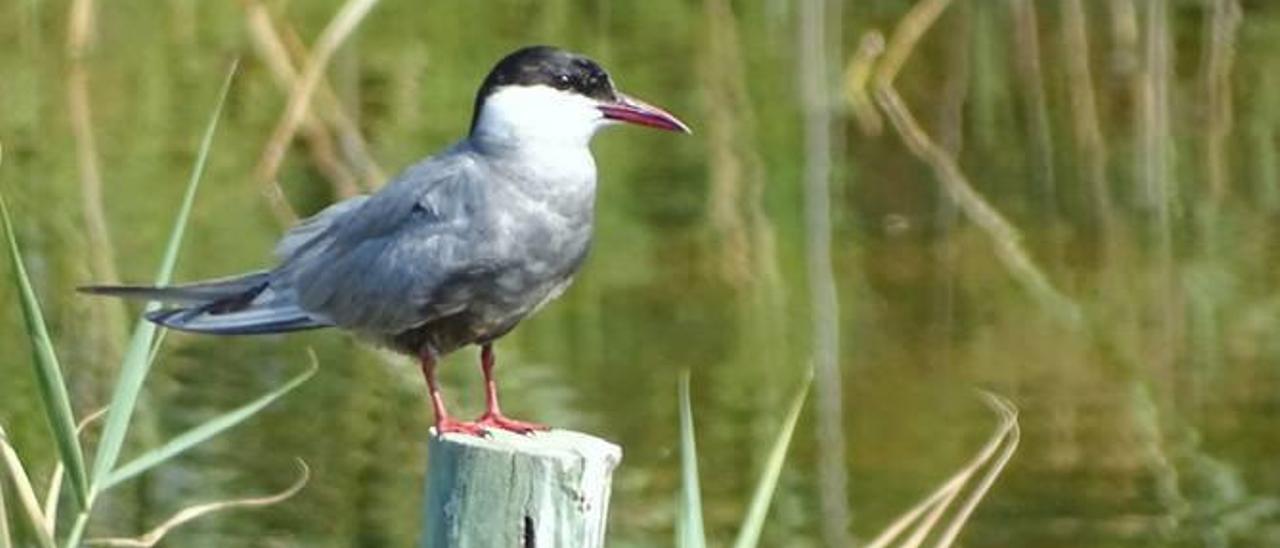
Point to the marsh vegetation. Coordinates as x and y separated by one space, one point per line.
1071 204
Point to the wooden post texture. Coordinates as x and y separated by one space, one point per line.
548 489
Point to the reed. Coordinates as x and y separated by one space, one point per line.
1090 143
87 485
278 53
108 323
320 141
1160 394
1221 26
1026 54
927 515
343 24
1005 235
820 141
690 532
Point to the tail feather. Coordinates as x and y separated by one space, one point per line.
255 320
193 293
239 305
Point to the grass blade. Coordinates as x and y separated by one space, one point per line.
689 530
55 479
6 539
205 431
26 495
192 512
1012 436
77 530
136 360
923 518
753 523
53 390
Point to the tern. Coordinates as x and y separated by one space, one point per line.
455 250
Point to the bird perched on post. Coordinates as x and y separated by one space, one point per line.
457 249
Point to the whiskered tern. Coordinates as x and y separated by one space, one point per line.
457 249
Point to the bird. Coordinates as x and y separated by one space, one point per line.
454 251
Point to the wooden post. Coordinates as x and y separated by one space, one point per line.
548 489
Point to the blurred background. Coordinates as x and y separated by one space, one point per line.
1085 228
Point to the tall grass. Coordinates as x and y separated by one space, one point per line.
935 516
689 527
87 487
343 23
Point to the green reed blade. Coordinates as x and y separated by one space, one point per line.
136 362
753 523
689 530
204 432
52 388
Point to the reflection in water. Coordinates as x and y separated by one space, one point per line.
1151 423
815 82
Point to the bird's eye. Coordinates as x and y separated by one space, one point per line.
563 81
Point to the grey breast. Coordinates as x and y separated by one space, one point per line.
533 232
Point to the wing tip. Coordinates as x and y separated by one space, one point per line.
189 320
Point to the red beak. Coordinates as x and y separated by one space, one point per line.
634 111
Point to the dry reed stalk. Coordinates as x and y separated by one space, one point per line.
1124 33
54 489
1090 143
1220 35
6 538
737 171
902 42
333 35
1126 66
351 141
272 51
186 515
815 87
856 78
1026 54
12 466
1153 131
1006 237
1158 180
1004 441
950 122
107 316
724 164
286 49
955 84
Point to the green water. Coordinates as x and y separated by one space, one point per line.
1154 421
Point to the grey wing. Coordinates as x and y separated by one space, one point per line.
375 266
311 231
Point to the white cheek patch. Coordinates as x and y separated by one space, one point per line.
540 113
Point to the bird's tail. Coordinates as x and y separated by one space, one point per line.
239 305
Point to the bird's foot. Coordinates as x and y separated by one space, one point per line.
453 426
500 422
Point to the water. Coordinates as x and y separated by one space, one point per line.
1151 422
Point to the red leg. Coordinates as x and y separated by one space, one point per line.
493 416
444 423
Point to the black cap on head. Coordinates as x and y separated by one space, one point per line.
547 66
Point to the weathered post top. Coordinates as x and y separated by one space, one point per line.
548 489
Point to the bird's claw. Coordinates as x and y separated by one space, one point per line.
500 422
451 426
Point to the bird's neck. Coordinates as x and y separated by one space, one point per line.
543 171
502 135
537 117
